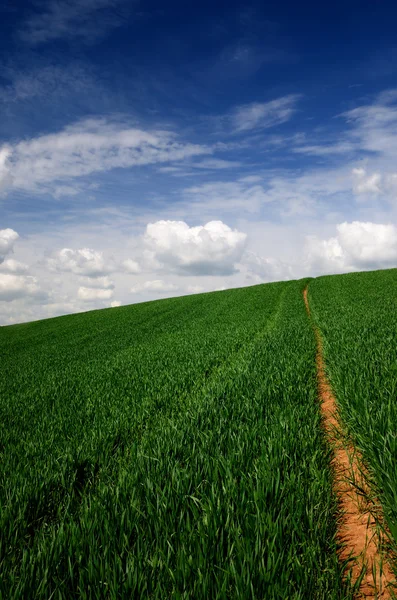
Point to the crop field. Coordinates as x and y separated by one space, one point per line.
171 449
357 317
174 449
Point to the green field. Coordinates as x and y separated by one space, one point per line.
174 449
357 315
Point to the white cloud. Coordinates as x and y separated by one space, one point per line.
18 286
84 19
169 169
98 282
326 149
265 268
369 244
372 137
290 193
251 179
293 194
195 289
275 253
364 183
261 115
115 304
6 178
84 261
228 196
45 163
14 266
216 163
370 185
212 249
131 266
14 283
90 294
324 256
157 286
44 82
67 191
374 126
357 246
8 237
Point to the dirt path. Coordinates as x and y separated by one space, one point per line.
357 527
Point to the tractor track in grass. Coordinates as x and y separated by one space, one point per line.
359 533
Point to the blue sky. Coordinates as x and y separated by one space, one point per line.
149 150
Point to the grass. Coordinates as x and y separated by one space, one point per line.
357 316
171 449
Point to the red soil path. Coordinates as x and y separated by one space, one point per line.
357 533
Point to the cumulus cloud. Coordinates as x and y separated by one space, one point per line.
14 266
14 283
84 261
369 244
211 249
89 294
8 237
324 256
157 286
131 266
357 246
18 286
45 163
115 304
98 282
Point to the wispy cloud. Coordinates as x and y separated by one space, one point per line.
67 19
6 178
245 195
371 129
216 163
189 168
262 115
54 81
45 163
326 149
252 118
374 126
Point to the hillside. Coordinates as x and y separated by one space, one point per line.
174 449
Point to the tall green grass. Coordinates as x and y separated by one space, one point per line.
167 450
357 316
